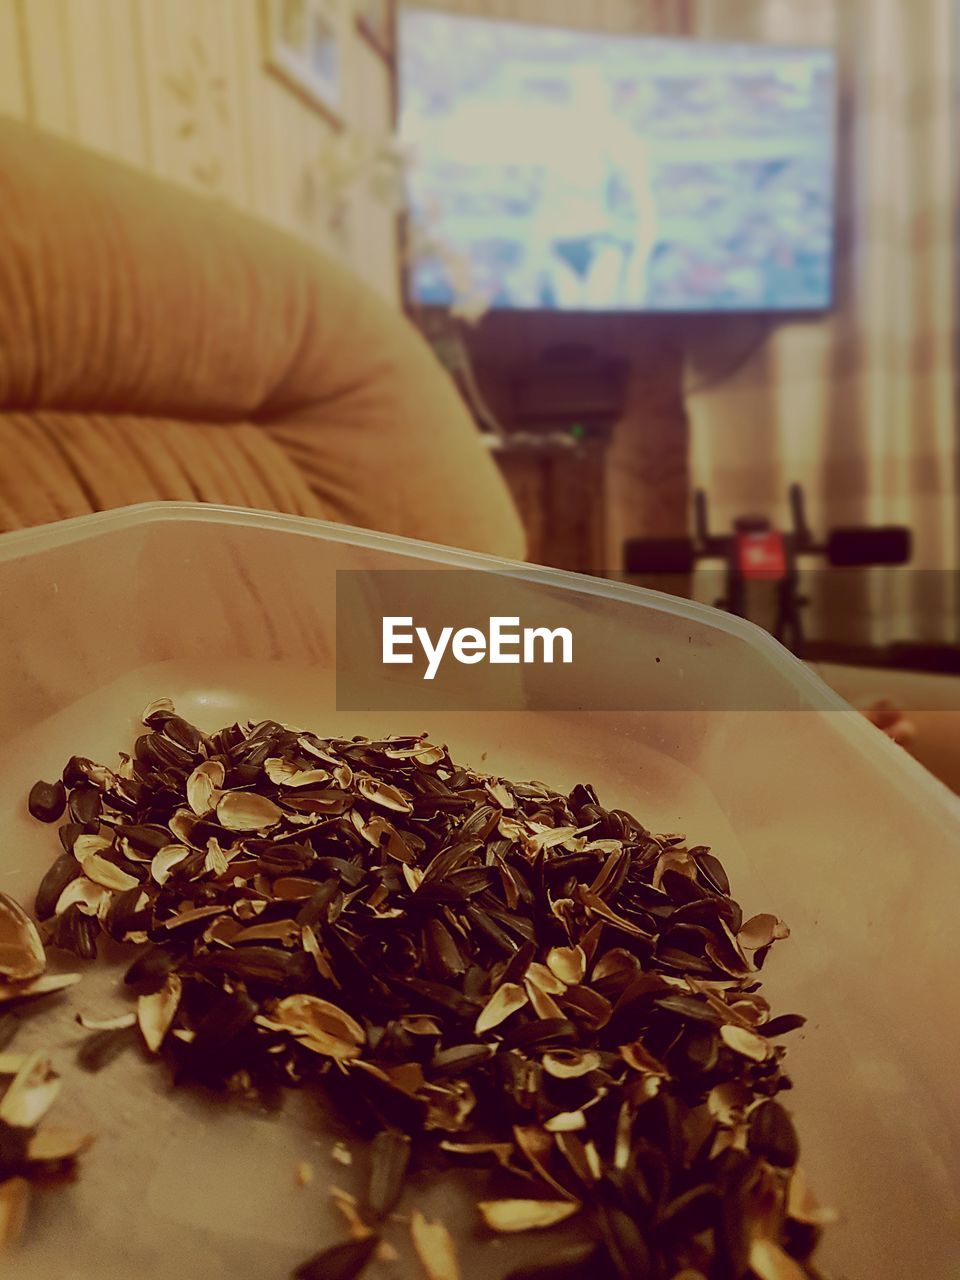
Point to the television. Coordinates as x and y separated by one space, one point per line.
563 170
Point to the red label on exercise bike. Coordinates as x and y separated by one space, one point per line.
761 556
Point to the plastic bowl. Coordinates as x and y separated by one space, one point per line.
816 815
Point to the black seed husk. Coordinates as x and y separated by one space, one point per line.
148 971
782 1025
59 875
389 1157
340 1262
86 805
77 932
47 800
773 1136
99 1049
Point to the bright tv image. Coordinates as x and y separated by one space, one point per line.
562 170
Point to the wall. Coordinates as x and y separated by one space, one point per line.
179 87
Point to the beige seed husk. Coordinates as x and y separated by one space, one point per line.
502 1151
293 888
103 872
22 956
247 811
760 930
545 980
320 1026
502 794
286 932
181 825
190 914
376 828
745 1042
152 708
549 838
570 1065
769 1262
307 778
413 876
216 862
544 1006
434 1247
636 1055
155 1012
284 773
674 860
526 1215
203 786
566 1122
31 1093
383 794
569 964
42 986
86 845
279 770
506 1000
419 1024
117 1022
425 753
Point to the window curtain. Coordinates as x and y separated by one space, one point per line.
860 406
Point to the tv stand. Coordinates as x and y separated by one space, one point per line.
604 396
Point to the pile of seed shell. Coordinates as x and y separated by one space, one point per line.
475 970
31 1150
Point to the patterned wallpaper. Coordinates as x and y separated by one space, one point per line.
180 88
599 15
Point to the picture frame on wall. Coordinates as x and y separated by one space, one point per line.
305 48
377 23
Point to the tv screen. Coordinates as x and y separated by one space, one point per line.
562 170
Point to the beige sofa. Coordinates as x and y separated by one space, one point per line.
157 345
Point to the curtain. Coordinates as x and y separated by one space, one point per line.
860 406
